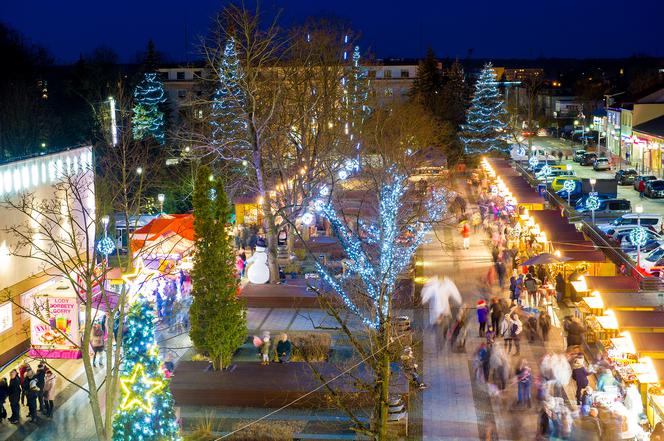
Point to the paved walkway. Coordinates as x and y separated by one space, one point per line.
457 406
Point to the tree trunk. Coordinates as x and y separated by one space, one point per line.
272 241
384 385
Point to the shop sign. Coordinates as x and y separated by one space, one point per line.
6 319
54 326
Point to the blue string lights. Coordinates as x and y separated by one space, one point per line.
148 119
486 117
145 411
228 118
379 251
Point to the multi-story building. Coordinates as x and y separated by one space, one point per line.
21 277
184 88
632 149
392 79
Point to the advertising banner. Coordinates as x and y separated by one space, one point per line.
54 327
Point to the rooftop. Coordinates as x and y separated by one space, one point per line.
654 127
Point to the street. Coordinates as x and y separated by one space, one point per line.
553 145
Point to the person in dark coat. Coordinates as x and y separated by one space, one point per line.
545 325
588 428
560 287
14 393
575 331
4 393
32 391
580 376
496 312
284 349
40 376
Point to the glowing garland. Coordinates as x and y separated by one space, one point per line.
145 385
533 161
396 243
569 185
105 246
592 203
638 236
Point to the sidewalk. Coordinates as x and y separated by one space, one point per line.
456 406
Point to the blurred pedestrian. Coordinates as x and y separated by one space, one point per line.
545 325
482 316
496 312
465 234
580 376
524 378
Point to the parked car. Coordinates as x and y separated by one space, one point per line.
626 177
652 241
588 159
653 221
608 208
651 261
555 173
655 188
601 164
581 202
640 178
578 155
559 181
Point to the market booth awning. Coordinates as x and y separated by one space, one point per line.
640 321
648 345
607 284
518 187
167 235
620 301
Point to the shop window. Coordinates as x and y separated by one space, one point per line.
6 319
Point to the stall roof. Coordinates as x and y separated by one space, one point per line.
626 301
606 284
629 320
584 256
648 342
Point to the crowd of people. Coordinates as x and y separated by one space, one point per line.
34 389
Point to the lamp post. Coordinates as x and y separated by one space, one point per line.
161 197
639 210
593 181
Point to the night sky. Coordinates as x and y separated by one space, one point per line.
495 29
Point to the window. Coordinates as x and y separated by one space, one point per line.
180 75
372 74
163 76
182 93
387 73
6 319
405 73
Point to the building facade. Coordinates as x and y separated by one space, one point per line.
21 277
392 80
648 138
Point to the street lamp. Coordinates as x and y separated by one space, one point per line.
161 197
593 194
639 210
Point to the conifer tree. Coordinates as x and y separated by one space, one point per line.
453 99
357 93
229 118
218 323
148 118
486 117
428 85
145 411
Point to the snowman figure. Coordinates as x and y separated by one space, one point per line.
259 272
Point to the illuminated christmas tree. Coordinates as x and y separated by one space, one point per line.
145 411
485 125
228 118
148 119
357 92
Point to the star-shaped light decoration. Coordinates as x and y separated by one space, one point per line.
143 396
137 278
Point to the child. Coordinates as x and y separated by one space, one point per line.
265 349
